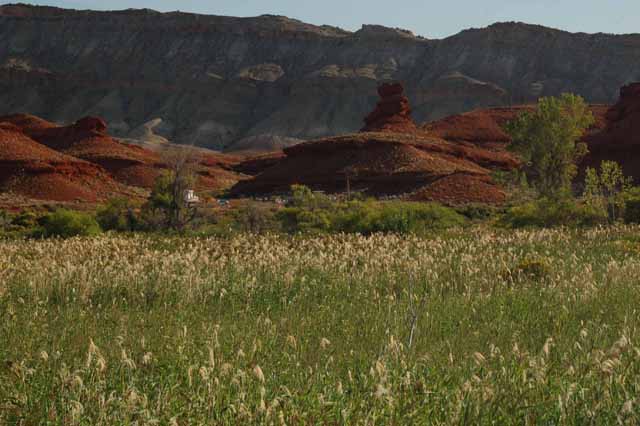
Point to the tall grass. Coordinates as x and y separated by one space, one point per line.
481 327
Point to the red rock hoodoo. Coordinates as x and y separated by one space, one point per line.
392 113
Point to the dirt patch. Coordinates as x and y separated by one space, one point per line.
462 188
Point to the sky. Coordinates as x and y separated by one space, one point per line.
428 18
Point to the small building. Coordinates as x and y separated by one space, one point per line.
190 197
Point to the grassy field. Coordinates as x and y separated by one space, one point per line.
475 327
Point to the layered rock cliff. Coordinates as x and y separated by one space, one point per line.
217 80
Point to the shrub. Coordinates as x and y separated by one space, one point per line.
394 217
546 213
478 212
531 268
304 197
118 215
25 220
66 223
316 213
406 217
5 219
255 219
296 219
632 206
606 188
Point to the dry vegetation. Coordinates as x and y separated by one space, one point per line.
480 327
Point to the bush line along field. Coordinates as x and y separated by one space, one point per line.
474 327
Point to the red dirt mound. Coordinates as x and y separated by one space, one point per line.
30 169
44 160
27 122
486 126
480 126
253 166
382 163
619 140
216 171
392 113
462 188
88 139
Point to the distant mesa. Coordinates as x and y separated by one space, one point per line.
392 113
378 32
220 79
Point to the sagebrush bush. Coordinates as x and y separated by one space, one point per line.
255 219
25 219
5 218
298 219
316 213
118 215
548 213
632 206
66 223
531 268
478 212
395 217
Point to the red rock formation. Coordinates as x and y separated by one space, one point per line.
462 188
30 169
390 156
254 165
87 139
486 126
392 113
622 120
43 160
385 163
620 139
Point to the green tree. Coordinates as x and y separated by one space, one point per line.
168 194
547 139
606 188
303 196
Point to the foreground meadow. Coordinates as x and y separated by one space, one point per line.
480 327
